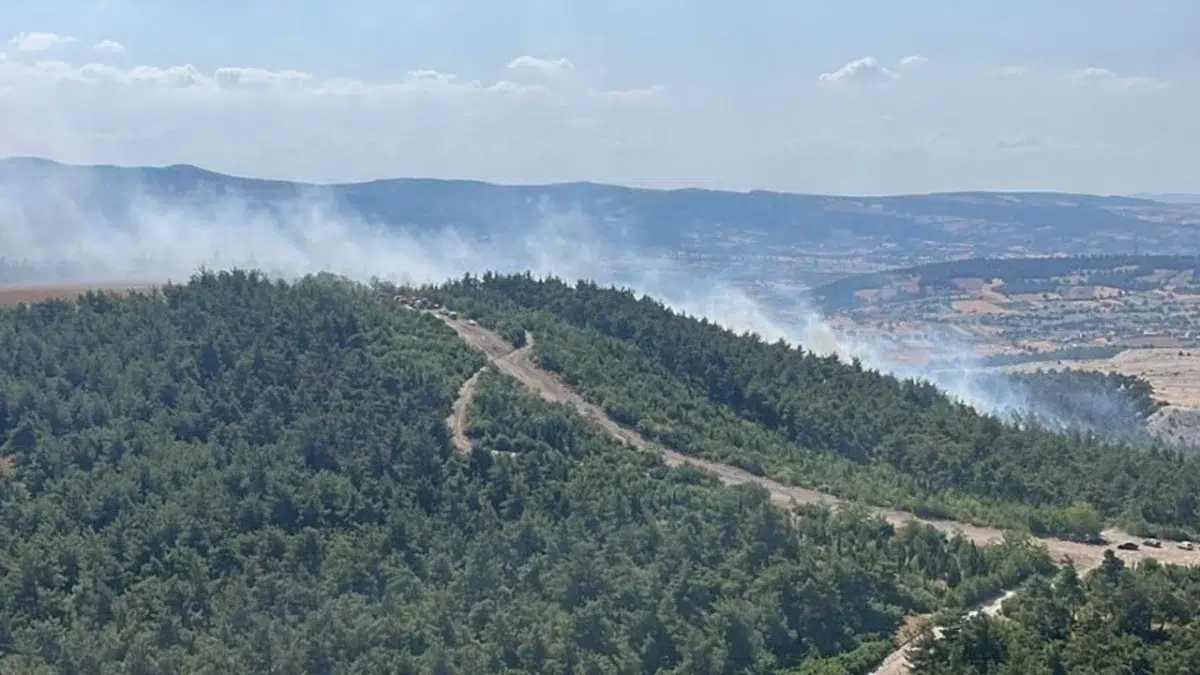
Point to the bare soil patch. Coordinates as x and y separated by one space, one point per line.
1176 424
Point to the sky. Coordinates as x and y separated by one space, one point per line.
854 97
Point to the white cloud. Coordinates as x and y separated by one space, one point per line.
1103 77
108 47
545 66
948 127
869 70
259 77
37 42
628 94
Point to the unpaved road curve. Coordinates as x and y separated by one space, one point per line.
896 663
520 365
457 421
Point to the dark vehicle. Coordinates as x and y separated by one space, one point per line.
1128 546
1152 543
1096 540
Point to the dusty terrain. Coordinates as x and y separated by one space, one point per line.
1177 424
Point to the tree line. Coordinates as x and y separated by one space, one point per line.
238 475
814 420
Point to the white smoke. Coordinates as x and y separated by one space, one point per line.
57 239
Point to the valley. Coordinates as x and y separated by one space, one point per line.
1138 316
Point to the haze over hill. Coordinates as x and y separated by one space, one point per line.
742 259
791 240
400 419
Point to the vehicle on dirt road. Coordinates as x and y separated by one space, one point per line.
1128 546
1152 543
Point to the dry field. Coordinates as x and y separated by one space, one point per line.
11 296
979 307
1175 377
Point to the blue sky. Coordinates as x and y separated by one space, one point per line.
1090 96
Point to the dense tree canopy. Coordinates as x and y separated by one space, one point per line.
1118 620
241 476
815 420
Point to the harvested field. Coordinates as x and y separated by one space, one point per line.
978 307
11 296
1176 378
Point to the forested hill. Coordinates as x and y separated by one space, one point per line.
238 476
814 420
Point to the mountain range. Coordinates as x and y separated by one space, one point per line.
802 238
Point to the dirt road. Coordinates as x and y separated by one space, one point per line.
457 421
519 364
896 663
499 352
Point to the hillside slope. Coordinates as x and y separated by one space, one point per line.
1121 619
241 476
817 422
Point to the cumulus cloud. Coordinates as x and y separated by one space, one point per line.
259 77
37 42
1103 77
869 70
108 47
512 122
544 66
914 61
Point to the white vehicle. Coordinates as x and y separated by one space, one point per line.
1187 545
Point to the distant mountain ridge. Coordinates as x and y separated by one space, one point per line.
787 235
1170 197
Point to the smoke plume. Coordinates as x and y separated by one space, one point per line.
51 233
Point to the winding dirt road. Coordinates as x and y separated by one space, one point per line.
497 351
896 663
457 421
519 364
